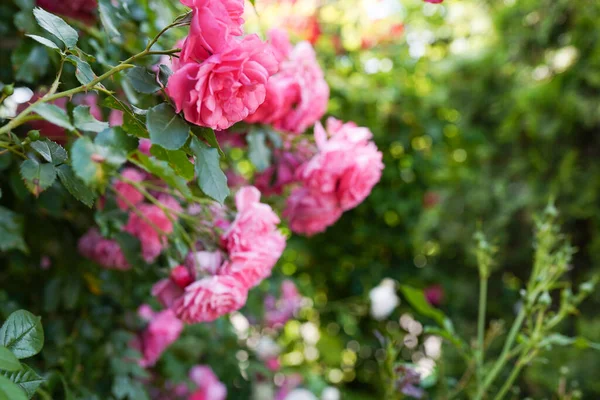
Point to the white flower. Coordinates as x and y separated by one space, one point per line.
301 394
330 393
383 299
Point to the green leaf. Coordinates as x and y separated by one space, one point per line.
167 129
177 159
30 62
46 42
27 379
109 18
83 71
417 300
162 170
75 186
164 73
8 361
86 122
54 114
37 177
50 151
134 126
88 161
211 179
22 334
10 391
208 135
56 26
143 80
258 151
117 140
131 248
11 231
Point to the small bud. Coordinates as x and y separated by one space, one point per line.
181 276
33 135
8 89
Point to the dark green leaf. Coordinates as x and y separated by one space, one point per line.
134 126
208 135
86 122
10 391
83 71
27 379
162 170
50 151
109 18
164 73
37 177
417 300
30 62
87 162
56 26
167 129
11 231
75 186
131 247
22 334
143 80
8 361
211 179
118 140
258 152
46 42
177 159
53 114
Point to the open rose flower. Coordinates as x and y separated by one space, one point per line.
227 86
163 329
128 196
209 298
209 386
150 228
105 252
311 212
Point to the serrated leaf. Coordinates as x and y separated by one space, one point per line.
37 177
108 17
164 73
258 151
27 379
87 162
46 42
10 391
177 159
56 26
142 80
11 231
211 179
50 151
83 71
54 114
86 122
22 334
75 186
117 140
162 170
8 361
167 129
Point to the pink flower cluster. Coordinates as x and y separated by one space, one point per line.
147 222
220 77
278 312
209 386
211 284
297 95
162 330
339 177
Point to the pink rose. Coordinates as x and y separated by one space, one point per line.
115 118
152 236
297 95
207 262
103 251
359 179
144 146
209 298
164 329
227 86
311 213
128 195
209 386
283 172
167 292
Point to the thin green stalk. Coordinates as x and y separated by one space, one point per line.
509 382
479 354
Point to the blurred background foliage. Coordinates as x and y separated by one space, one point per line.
484 110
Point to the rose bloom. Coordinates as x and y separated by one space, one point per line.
252 241
227 86
78 9
310 212
152 241
213 23
297 95
167 292
103 251
209 298
272 180
163 329
128 195
209 386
